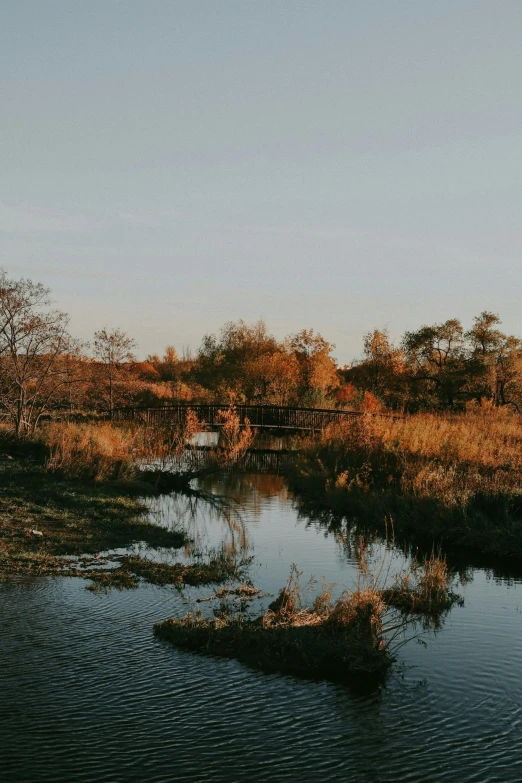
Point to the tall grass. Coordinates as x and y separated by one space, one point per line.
489 438
99 452
358 633
234 439
451 477
105 451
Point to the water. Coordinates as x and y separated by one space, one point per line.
89 694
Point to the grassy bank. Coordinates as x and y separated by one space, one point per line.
75 490
44 518
452 479
357 634
53 510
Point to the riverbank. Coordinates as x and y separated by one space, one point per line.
73 493
443 480
46 520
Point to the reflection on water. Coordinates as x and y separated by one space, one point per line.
88 693
210 522
262 440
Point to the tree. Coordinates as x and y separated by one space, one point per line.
382 368
75 368
33 343
234 364
438 362
113 351
168 366
274 377
318 370
508 373
484 337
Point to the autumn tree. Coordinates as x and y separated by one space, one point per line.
379 373
239 363
33 343
500 358
317 368
75 367
439 366
383 369
166 366
508 373
484 336
276 376
112 381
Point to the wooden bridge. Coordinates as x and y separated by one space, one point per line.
274 417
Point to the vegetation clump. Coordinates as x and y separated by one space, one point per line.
219 568
46 520
452 479
357 634
95 451
422 590
118 578
243 593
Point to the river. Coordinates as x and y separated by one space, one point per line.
89 694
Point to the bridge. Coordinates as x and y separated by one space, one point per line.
275 417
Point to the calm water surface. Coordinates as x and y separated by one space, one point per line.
89 694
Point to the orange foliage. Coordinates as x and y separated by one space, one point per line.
370 403
346 393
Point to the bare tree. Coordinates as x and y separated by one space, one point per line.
32 340
113 351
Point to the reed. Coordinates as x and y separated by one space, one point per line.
450 478
359 633
99 452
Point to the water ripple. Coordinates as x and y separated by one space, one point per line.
88 693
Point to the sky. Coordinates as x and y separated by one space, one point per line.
169 165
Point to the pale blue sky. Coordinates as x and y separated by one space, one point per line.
167 165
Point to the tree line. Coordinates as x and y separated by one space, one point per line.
45 370
442 367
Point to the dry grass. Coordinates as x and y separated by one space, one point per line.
359 633
100 452
219 568
456 478
234 439
105 451
161 442
490 438
422 590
